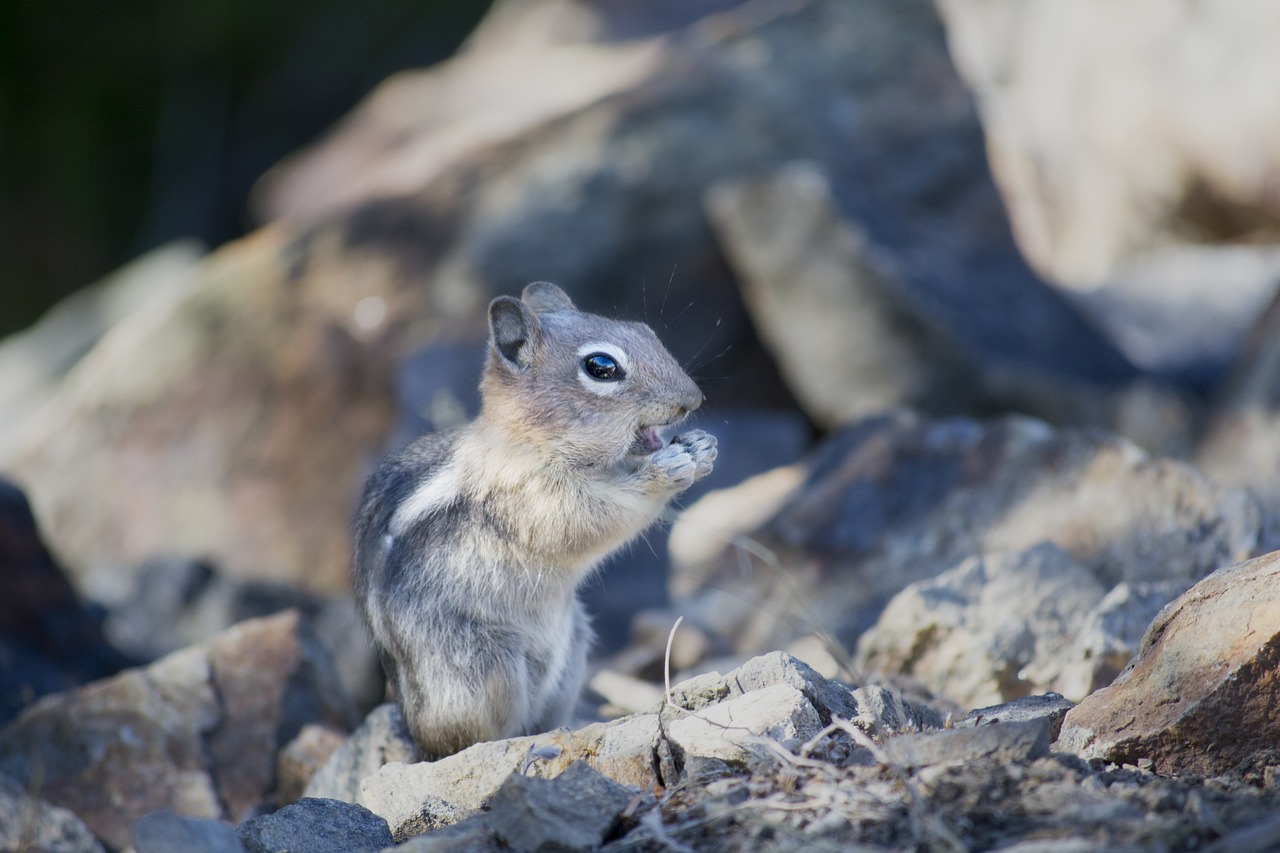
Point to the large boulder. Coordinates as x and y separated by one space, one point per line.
898 499
197 731
1200 696
1106 138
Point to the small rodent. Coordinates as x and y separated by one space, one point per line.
470 544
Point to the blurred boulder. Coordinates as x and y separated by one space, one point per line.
1200 696
302 758
32 362
1242 443
898 499
958 635
28 823
197 731
210 425
50 639
317 826
381 739
168 832
1113 130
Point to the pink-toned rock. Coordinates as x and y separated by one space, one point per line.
1201 694
196 732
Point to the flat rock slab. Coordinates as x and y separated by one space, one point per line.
1004 742
1201 695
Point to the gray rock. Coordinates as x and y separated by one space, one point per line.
1003 742
1047 707
958 635
574 811
167 832
882 712
381 739
300 760
827 697
473 835
1199 696
28 823
196 732
317 826
898 499
1110 634
731 731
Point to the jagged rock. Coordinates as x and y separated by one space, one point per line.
473 835
1050 708
882 712
302 758
1110 634
574 811
381 739
196 732
28 823
1200 695
898 499
826 697
317 826
957 634
50 639
1003 742
731 731
167 832
1092 182
415 798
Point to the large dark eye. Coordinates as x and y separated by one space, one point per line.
603 367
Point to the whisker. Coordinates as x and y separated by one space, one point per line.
667 293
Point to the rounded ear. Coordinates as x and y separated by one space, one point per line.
544 297
513 331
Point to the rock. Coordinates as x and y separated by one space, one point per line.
415 798
958 635
1047 707
819 292
32 362
627 694
882 712
302 757
1109 635
1146 151
317 826
381 739
1199 696
212 421
731 731
827 698
473 835
166 832
1242 442
574 811
1002 742
196 732
170 603
29 823
898 499
50 639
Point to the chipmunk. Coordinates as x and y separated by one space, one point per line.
470 544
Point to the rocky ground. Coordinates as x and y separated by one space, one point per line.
989 560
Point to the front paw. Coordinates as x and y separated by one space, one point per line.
701 448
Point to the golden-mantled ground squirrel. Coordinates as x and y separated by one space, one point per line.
470 544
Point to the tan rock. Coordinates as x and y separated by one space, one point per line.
196 732
1200 696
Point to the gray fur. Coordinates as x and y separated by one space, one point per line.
470 545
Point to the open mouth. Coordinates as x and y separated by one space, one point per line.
648 440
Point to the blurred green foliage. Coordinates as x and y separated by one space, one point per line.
130 123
